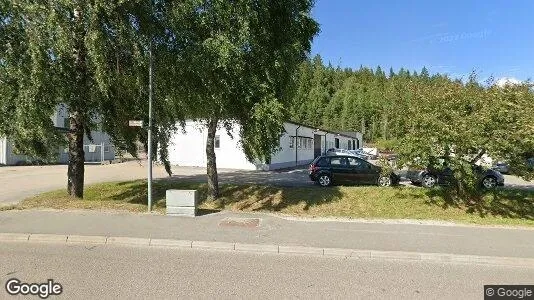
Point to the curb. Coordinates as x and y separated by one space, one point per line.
266 248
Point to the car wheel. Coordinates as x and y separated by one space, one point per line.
428 181
384 181
324 180
489 182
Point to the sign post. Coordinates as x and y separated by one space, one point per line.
150 124
135 123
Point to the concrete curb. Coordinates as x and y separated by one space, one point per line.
266 248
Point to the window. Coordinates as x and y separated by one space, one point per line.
323 162
299 142
355 163
335 161
291 142
359 164
217 141
106 149
337 142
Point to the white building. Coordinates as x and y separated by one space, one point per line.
299 145
100 147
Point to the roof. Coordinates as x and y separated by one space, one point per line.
350 134
353 134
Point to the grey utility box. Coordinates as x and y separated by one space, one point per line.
182 202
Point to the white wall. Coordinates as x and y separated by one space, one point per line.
3 158
290 157
189 148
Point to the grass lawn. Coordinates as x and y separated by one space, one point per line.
502 207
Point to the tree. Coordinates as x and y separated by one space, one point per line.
90 56
242 56
463 122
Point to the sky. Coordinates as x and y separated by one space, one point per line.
491 37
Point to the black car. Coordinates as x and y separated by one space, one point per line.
326 170
431 177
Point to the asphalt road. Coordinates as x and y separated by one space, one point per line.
277 230
107 272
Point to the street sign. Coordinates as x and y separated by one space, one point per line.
135 123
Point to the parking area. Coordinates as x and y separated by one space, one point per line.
18 183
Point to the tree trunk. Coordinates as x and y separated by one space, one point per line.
75 136
76 156
213 181
385 127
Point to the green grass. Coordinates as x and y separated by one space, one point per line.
502 207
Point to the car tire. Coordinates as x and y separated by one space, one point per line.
324 180
489 182
428 181
384 181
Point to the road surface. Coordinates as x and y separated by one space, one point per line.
107 272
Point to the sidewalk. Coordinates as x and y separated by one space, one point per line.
272 230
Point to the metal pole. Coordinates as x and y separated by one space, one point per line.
150 125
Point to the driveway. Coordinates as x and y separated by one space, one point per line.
18 183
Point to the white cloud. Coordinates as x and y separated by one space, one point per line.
507 81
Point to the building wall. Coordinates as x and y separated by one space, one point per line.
92 149
3 158
291 155
294 153
189 148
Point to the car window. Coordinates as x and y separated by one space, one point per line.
322 162
355 163
365 165
338 161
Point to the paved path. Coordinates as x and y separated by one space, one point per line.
271 230
105 272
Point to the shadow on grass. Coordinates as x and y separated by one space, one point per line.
246 197
504 203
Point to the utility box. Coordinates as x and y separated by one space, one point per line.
181 202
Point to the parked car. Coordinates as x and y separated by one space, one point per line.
337 151
431 177
329 169
501 167
504 167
